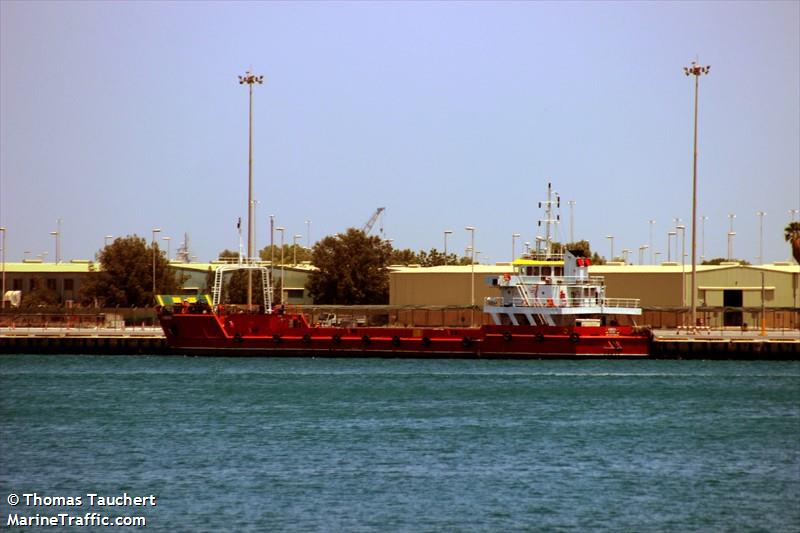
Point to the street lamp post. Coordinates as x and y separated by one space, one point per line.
282 230
57 235
168 239
155 230
731 233
625 253
670 234
294 248
703 238
471 230
271 250
513 246
446 233
677 222
642 248
3 259
308 234
106 239
611 238
650 245
695 70
250 79
761 237
527 247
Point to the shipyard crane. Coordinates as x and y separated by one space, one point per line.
366 228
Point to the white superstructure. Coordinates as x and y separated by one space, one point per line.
554 289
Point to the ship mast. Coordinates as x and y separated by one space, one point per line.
553 198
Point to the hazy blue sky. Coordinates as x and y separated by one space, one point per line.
119 117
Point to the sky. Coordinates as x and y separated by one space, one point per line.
121 117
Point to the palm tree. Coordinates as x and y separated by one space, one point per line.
792 236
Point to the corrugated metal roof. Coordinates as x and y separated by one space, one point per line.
600 269
60 268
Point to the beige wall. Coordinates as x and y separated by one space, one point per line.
450 286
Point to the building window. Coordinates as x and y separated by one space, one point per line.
51 284
69 284
17 284
33 284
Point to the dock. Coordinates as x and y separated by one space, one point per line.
725 344
86 340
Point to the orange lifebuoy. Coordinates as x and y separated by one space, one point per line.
507 276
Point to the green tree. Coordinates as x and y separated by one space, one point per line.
40 296
426 259
406 256
720 260
792 236
351 270
289 251
125 277
582 248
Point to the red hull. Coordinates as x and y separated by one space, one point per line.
290 335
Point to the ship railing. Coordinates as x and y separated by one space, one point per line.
553 280
500 301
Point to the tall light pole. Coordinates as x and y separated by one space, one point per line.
656 256
3 259
294 247
761 237
446 233
527 247
282 230
308 234
571 235
650 245
513 246
625 253
250 79
168 239
107 238
703 238
471 230
155 230
695 70
611 238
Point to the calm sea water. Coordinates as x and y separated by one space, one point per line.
407 445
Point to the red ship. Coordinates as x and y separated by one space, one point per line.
549 306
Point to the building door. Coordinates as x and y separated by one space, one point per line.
732 298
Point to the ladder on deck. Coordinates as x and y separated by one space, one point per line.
216 291
266 284
523 291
